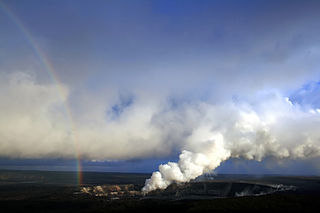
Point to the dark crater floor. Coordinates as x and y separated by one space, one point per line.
218 189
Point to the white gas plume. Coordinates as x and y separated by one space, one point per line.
276 128
190 165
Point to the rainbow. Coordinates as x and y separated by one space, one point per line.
48 67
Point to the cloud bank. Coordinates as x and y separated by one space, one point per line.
35 123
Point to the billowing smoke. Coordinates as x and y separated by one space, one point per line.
190 166
275 127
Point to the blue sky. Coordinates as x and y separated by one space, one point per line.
137 80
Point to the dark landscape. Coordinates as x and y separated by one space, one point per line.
49 191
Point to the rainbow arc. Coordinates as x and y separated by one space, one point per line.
49 68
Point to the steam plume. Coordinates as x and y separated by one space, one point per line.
277 128
190 166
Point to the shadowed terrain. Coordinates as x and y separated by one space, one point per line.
42 191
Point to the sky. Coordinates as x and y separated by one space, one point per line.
127 85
